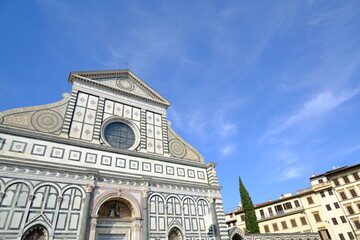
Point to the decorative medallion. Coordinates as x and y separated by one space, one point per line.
177 148
125 83
47 121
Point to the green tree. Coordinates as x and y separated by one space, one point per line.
250 217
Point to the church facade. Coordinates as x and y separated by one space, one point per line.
104 163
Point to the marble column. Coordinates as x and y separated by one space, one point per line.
145 217
215 221
86 216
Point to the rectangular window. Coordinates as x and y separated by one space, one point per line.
353 193
324 234
330 192
297 204
357 224
356 176
262 215
328 207
310 200
336 204
343 195
303 221
343 219
336 182
270 211
322 194
284 225
350 210
275 227
317 217
341 236
279 209
287 205
334 221
351 235
266 228
358 205
320 181
346 179
242 217
293 223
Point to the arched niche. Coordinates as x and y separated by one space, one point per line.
175 234
116 208
37 232
116 216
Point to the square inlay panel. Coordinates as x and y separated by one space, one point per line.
106 160
120 162
169 170
134 164
38 150
146 167
18 146
91 158
74 155
57 152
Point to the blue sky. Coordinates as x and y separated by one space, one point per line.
269 90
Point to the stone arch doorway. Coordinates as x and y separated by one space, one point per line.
116 216
236 237
236 233
175 234
37 232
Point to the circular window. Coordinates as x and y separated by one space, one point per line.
119 135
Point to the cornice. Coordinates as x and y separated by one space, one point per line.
82 76
94 146
86 174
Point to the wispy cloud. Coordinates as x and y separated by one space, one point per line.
312 109
290 173
227 150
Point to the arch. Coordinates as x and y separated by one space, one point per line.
236 233
156 194
57 188
37 226
15 181
135 206
172 195
202 198
188 197
175 233
73 186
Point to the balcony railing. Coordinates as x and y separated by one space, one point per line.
278 213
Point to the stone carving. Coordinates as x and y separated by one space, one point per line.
180 149
46 118
47 121
114 209
177 149
35 233
125 83
175 234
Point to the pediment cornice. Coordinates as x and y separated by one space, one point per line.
96 78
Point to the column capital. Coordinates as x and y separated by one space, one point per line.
89 187
145 193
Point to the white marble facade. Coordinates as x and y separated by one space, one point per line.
65 173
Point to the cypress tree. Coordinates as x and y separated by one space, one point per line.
250 217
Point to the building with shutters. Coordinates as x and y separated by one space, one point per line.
330 207
104 163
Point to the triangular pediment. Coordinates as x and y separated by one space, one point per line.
120 80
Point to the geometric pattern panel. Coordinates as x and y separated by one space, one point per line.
154 136
83 120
